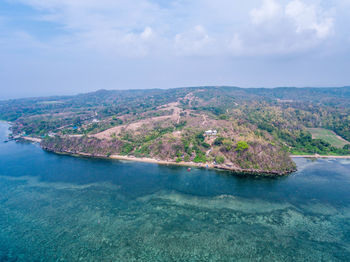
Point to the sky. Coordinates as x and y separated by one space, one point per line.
62 47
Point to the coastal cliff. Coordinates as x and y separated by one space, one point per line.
258 159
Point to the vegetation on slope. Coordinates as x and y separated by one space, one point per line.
256 128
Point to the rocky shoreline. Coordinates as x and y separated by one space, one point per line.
233 170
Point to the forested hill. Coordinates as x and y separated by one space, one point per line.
254 126
15 108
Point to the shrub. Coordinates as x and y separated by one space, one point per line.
206 145
223 117
218 141
241 146
219 159
200 137
228 144
127 148
200 158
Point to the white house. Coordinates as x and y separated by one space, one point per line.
211 132
95 120
51 134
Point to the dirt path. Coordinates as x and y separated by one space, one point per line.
204 120
176 111
32 139
208 152
190 98
76 135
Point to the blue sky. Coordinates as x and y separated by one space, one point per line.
50 47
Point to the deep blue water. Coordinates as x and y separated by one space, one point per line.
62 208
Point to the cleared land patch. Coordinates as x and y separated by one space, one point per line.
328 136
107 134
50 102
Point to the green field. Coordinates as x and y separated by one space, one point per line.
328 136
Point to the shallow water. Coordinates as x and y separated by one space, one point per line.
61 208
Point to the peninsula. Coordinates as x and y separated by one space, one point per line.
250 131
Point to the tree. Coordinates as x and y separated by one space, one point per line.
241 146
346 148
218 141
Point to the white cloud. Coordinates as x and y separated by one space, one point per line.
282 29
197 27
147 33
122 27
235 45
194 42
269 10
309 17
116 42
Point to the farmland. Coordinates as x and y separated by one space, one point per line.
328 136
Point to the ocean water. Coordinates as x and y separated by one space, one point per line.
62 208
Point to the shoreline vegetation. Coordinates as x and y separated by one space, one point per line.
234 170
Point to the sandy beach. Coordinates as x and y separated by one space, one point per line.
185 164
161 162
193 164
31 139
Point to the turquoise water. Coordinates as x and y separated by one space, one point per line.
61 208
